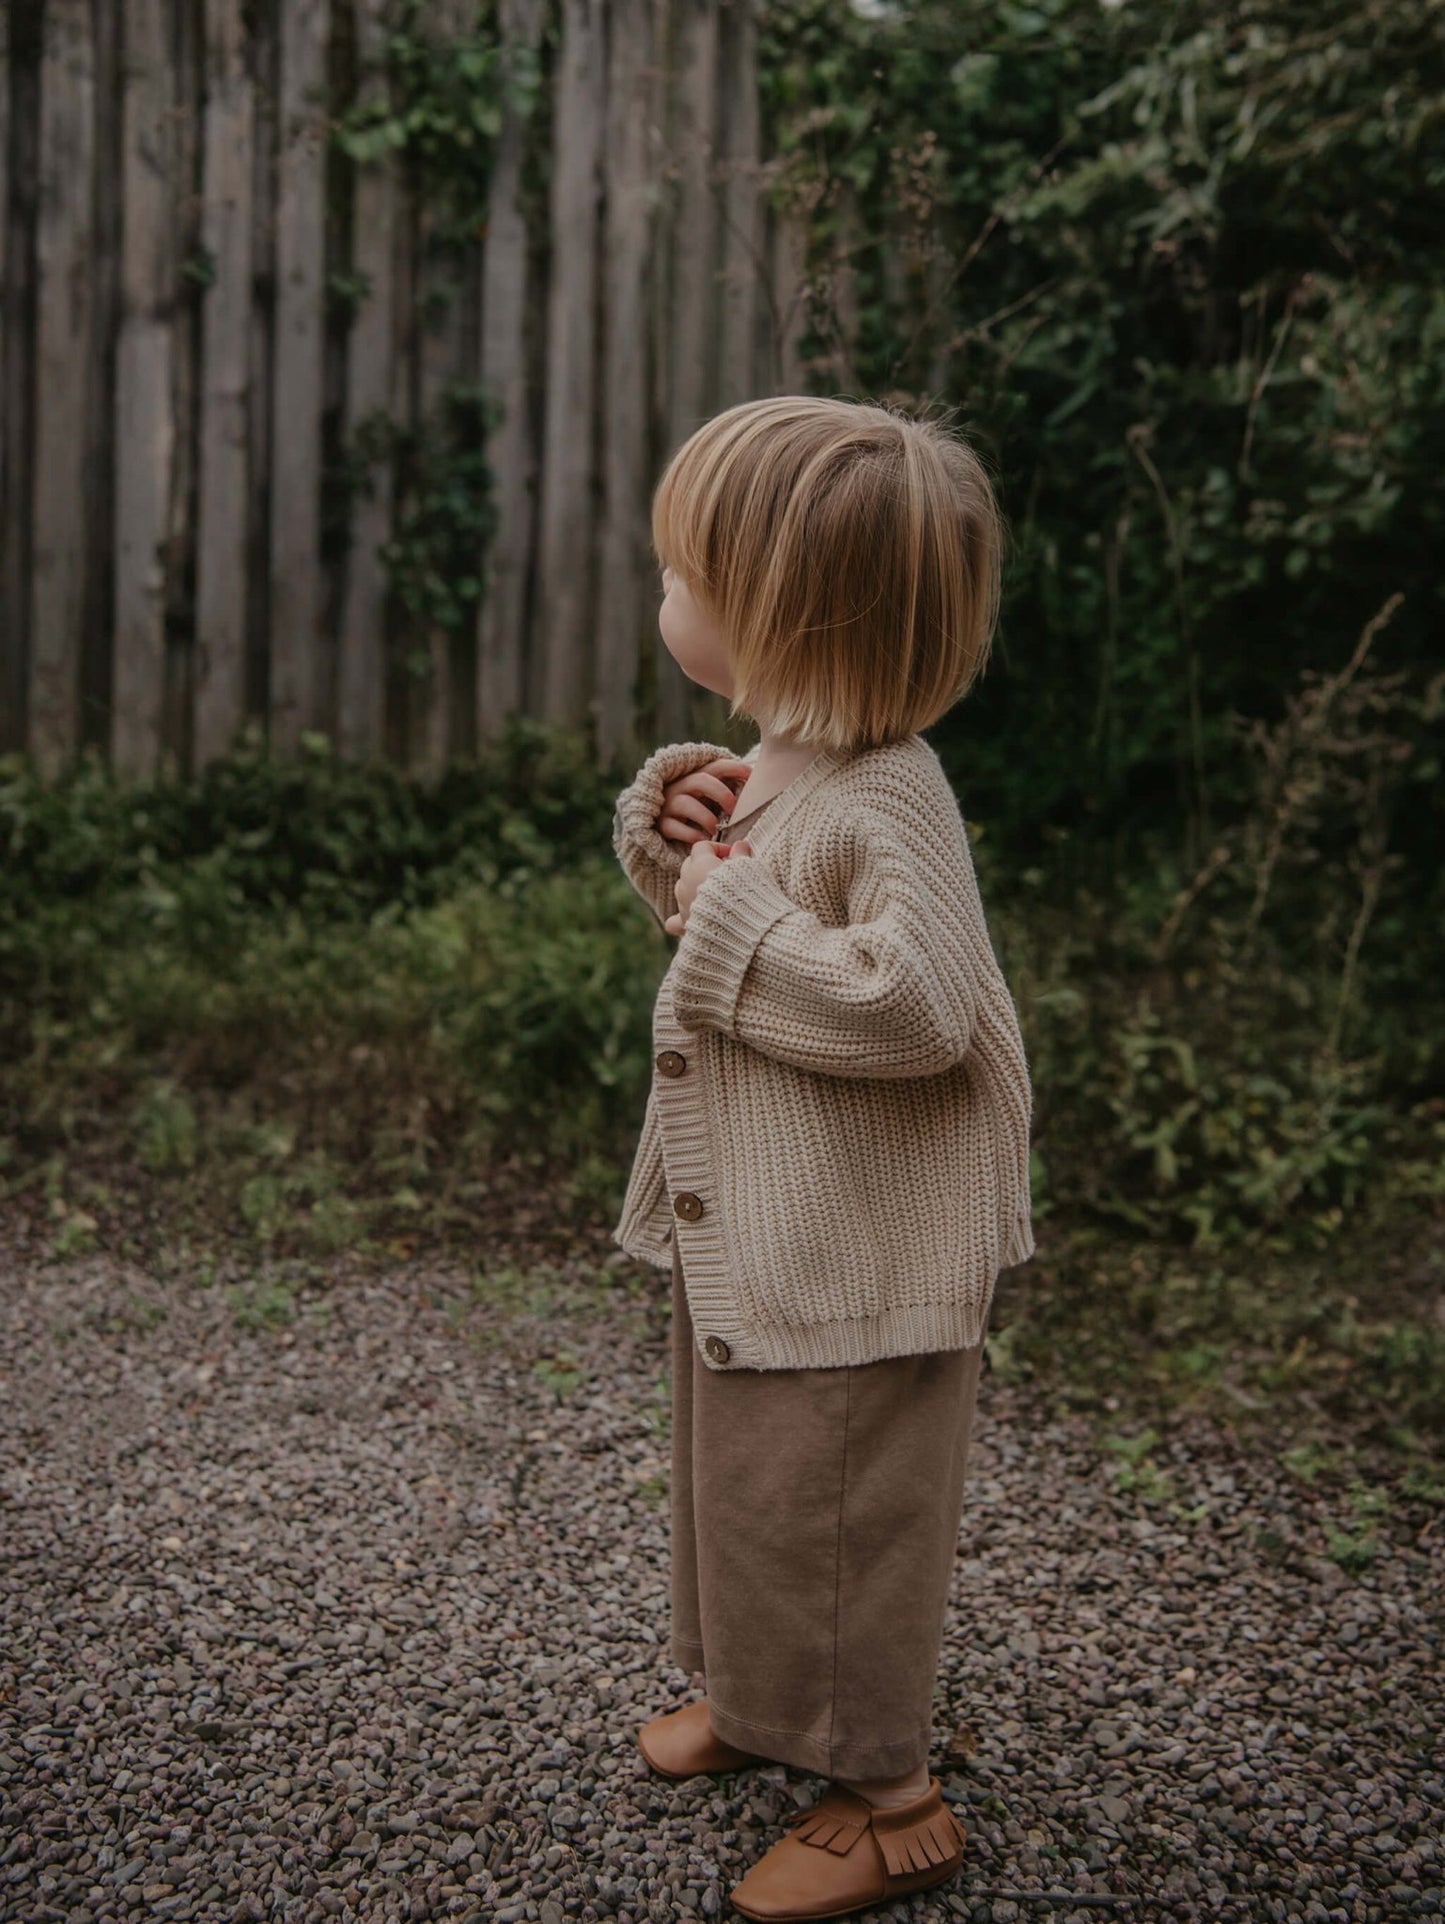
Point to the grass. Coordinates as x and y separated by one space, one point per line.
301 1022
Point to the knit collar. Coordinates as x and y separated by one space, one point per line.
823 764
797 791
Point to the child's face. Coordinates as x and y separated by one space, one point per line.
693 638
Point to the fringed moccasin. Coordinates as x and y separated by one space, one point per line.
845 1854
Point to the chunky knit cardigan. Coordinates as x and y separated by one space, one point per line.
838 1126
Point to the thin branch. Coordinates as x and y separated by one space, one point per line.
1262 380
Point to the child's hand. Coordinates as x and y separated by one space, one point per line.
695 871
692 804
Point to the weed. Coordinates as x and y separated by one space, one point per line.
262 1305
1005 1360
1424 1485
1310 1459
1136 1474
75 1237
1355 1548
165 1128
561 1374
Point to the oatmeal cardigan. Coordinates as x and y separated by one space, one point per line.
838 1126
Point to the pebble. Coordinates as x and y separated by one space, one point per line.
363 1625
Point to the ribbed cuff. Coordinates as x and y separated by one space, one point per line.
730 914
634 819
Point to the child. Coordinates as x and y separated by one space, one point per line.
834 1155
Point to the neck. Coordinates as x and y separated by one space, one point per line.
778 751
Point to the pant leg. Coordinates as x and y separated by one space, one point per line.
685 1643
826 1508
908 1443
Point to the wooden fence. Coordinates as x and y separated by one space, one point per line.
180 383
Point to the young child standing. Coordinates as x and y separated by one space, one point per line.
835 1153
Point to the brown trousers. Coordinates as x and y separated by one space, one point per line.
815 1518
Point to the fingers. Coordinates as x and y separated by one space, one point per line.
702 782
686 811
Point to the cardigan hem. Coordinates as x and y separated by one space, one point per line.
851 1341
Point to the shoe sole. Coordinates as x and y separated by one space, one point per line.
898 1887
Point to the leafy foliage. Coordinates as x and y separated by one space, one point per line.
1179 265
440 109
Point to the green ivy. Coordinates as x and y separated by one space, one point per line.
442 110
445 513
439 114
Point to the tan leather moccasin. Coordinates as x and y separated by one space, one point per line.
682 1744
846 1855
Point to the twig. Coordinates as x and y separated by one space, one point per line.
1262 380
1187 897
1309 723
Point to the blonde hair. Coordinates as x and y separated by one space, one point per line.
851 556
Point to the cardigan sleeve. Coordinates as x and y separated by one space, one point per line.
651 863
894 995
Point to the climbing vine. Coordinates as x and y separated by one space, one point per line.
438 116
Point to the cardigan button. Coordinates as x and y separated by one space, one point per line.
688 1206
671 1063
717 1349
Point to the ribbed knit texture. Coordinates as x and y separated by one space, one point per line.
849 1136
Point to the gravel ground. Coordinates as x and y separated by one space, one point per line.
355 1618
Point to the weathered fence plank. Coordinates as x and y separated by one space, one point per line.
17 397
188 96
298 352
14 400
264 61
222 572
439 367
743 215
568 530
788 303
629 209
512 444
64 243
689 334
5 89
371 394
144 421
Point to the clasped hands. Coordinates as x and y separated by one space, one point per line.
691 807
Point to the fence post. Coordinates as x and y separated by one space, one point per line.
512 446
690 304
295 538
144 418
222 576
568 536
630 205
371 391
65 316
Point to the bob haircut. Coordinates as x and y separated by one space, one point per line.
849 553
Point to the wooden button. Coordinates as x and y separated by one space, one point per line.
717 1349
686 1205
671 1063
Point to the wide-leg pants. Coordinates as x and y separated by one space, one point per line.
815 1517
